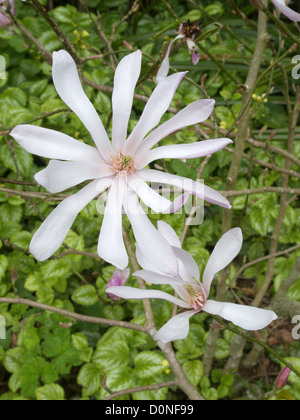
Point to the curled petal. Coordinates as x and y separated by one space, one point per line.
126 77
51 234
111 244
136 294
54 145
59 176
246 317
69 88
287 11
223 254
194 113
177 328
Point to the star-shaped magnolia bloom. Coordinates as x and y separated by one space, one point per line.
117 165
193 293
282 5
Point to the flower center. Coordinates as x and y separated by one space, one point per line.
196 297
122 165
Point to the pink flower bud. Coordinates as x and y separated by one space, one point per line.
119 278
4 20
282 379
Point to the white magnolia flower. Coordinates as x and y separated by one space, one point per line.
282 5
117 165
187 31
194 293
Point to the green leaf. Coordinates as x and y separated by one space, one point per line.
51 392
194 371
90 378
148 364
111 355
85 295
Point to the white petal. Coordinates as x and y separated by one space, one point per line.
223 254
155 278
287 11
165 65
151 198
177 204
68 86
169 234
155 108
51 234
246 317
194 113
54 145
59 176
126 77
189 186
111 246
189 263
176 329
151 242
135 294
184 151
144 261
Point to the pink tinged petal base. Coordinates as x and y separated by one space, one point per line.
59 176
136 294
287 11
152 244
246 317
111 246
189 186
69 88
185 151
53 231
177 328
126 77
155 108
195 57
54 145
223 254
194 113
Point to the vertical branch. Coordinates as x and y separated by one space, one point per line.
240 144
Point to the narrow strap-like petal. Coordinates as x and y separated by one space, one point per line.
177 328
68 86
155 108
287 11
189 186
111 244
168 233
246 317
51 234
54 145
126 77
151 198
223 254
184 151
59 176
188 262
194 113
135 294
155 278
151 242
165 65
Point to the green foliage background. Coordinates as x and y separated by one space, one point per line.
44 357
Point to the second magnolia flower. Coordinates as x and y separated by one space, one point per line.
118 165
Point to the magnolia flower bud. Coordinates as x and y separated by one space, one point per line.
282 379
119 278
